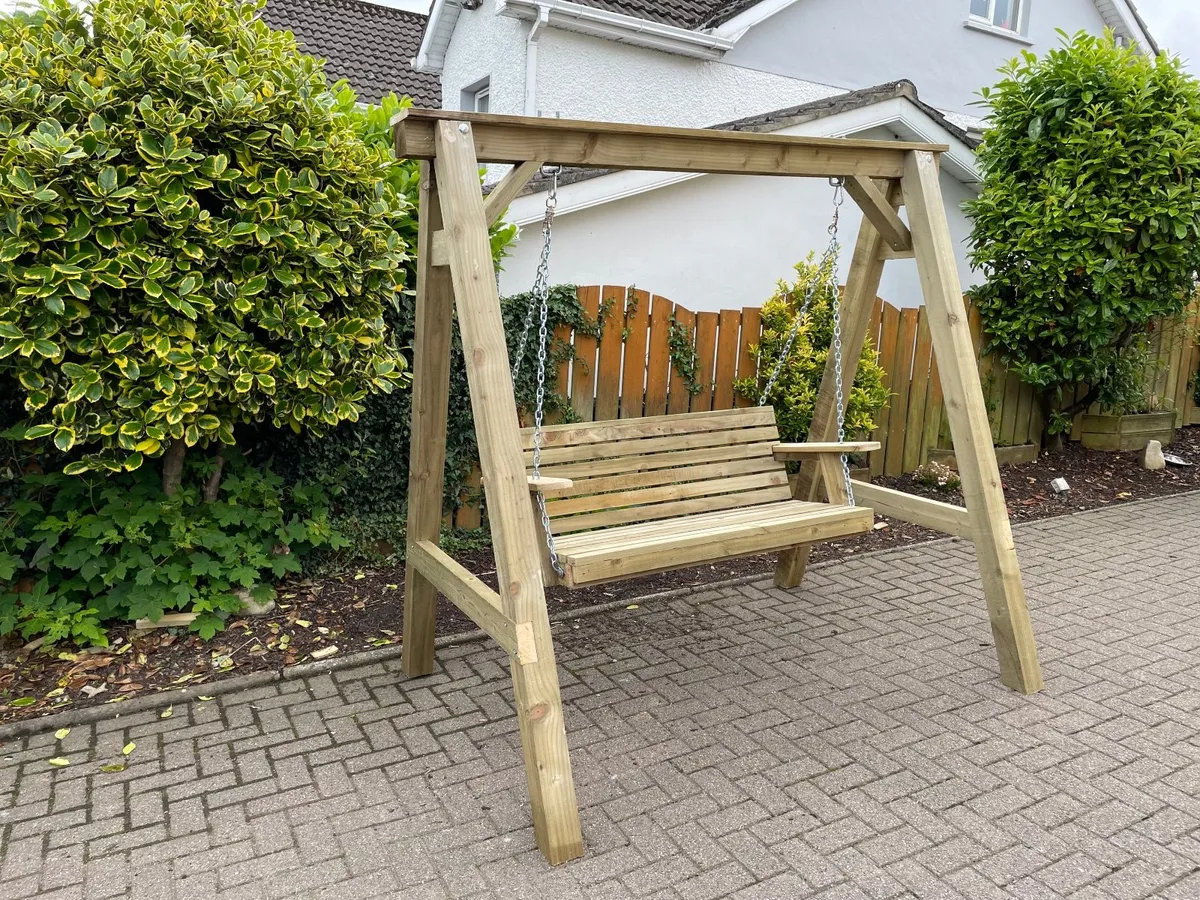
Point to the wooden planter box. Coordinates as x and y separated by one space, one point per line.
1005 456
1127 432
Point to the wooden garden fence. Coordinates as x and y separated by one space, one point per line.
628 372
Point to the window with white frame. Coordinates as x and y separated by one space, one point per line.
1004 14
477 97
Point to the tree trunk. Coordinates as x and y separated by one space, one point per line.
212 487
172 467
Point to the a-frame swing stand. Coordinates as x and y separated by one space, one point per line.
455 272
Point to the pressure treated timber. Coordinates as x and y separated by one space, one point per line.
858 300
969 426
504 193
606 145
601 556
514 535
875 206
427 450
944 517
477 601
789 451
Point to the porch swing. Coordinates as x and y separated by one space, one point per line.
632 496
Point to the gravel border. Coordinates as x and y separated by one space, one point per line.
159 699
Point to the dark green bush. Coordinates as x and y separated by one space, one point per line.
799 381
77 552
1088 223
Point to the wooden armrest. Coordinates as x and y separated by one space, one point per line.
544 484
791 451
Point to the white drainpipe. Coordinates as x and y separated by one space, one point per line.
531 51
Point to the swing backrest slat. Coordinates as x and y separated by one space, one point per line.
641 470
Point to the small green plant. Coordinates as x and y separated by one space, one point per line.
799 380
684 358
77 552
938 476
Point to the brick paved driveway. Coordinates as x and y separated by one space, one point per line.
848 740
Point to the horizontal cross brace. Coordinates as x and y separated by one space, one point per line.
477 601
943 517
606 145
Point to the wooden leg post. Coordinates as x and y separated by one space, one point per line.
958 370
514 530
427 451
862 286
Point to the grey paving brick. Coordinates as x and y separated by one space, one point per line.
847 740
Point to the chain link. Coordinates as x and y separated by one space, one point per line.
826 271
541 284
541 300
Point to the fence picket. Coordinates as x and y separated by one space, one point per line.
914 429
706 359
748 337
901 379
583 369
889 328
633 374
658 363
727 350
608 364
678 398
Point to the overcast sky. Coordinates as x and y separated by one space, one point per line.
1175 24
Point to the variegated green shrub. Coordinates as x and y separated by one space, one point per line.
192 234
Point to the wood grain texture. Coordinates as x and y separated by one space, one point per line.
608 362
633 371
658 360
583 368
730 323
514 533
875 206
859 302
959 372
901 380
679 399
514 139
504 193
748 338
427 446
706 359
934 514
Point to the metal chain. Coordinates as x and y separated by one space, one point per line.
541 283
826 269
541 294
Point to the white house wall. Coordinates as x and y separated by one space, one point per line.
580 76
713 242
860 43
486 46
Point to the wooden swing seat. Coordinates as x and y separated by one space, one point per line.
636 496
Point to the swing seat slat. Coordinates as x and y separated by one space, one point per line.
664 492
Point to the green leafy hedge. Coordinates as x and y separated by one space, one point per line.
194 235
799 381
1088 222
77 552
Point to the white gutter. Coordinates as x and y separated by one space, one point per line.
531 55
617 27
431 55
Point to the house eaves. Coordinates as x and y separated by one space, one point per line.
431 55
894 106
615 26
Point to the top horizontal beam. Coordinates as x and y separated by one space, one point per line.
611 145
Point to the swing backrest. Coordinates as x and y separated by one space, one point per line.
658 467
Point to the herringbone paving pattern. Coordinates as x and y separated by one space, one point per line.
847 740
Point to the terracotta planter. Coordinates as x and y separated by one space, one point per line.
1129 432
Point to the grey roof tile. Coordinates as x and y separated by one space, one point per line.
370 46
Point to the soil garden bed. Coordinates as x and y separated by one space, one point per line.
361 609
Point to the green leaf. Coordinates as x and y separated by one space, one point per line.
35 432
64 439
129 748
61 733
59 761
21 702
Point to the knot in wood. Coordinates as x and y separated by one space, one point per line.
478 355
539 712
